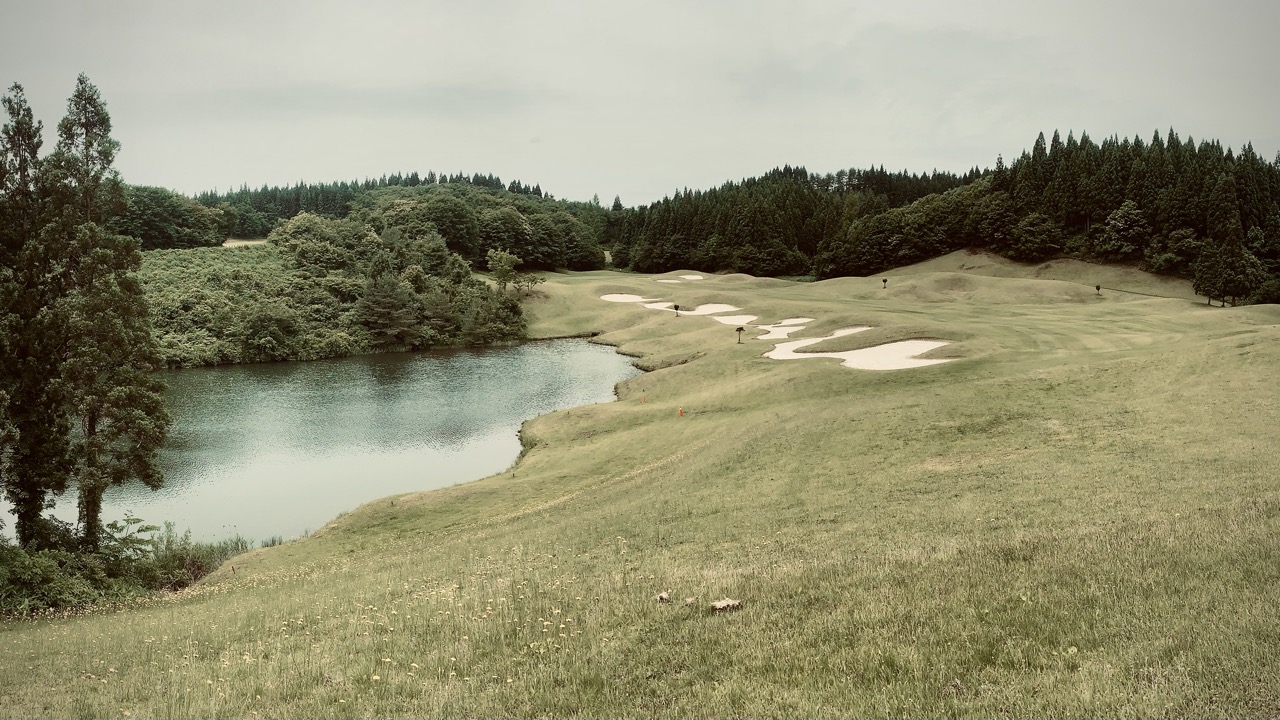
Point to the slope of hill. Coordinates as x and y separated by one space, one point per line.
1077 515
1123 278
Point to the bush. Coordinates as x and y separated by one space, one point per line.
31 583
134 559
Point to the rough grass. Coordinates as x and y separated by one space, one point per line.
1078 517
1122 278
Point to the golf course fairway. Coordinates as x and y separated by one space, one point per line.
1078 514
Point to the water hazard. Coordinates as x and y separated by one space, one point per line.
266 450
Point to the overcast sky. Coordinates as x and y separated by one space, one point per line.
638 98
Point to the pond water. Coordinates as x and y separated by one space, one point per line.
281 449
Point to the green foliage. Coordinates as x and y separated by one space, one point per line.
389 310
1175 253
82 406
79 172
1122 200
1227 270
161 218
320 288
1035 238
41 580
133 559
148 557
455 221
506 229
502 266
1125 235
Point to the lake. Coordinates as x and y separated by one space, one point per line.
281 449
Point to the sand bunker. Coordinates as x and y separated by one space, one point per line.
623 297
734 319
890 356
782 329
682 278
708 309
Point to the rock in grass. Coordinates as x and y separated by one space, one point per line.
726 605
691 600
664 597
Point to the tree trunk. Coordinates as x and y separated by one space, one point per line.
91 515
92 485
27 520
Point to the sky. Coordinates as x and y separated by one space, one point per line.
634 99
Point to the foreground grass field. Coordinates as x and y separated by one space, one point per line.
1078 516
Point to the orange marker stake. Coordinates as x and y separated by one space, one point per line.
642 398
681 412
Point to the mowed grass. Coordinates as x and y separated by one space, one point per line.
1078 516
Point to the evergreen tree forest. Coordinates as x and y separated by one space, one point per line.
252 213
79 405
1169 205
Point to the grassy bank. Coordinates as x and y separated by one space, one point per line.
1077 516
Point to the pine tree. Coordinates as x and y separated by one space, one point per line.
35 456
81 163
1228 270
20 165
389 310
119 405
81 354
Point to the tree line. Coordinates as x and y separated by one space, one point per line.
1173 206
254 212
321 288
771 225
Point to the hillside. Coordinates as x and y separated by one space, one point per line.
1120 277
1075 515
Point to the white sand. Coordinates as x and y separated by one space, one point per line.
708 309
778 332
734 319
782 329
623 297
691 277
675 282
890 356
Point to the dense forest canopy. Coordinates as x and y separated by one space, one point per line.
253 212
1171 205
321 288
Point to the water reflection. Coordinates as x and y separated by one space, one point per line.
265 450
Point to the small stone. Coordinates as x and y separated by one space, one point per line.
726 605
691 600
952 689
664 597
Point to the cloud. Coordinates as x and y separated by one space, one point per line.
449 101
